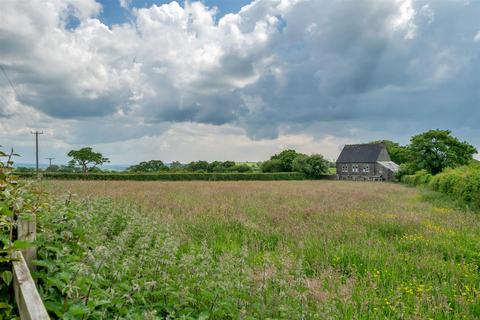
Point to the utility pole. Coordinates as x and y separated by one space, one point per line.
36 133
50 159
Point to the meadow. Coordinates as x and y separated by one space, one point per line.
256 250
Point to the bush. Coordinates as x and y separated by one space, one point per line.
462 183
286 158
169 176
421 177
314 166
242 168
272 166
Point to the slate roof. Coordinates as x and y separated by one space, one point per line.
367 153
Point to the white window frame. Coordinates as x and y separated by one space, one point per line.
366 169
354 167
345 168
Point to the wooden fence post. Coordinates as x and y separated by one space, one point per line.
27 230
29 303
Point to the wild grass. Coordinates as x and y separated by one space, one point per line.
283 249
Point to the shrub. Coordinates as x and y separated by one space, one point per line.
240 168
274 165
462 183
314 166
421 177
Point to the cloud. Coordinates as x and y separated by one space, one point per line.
125 3
348 70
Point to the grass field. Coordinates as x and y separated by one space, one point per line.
257 250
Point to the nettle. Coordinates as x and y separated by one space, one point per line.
99 259
17 200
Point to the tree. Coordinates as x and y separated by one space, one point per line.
436 150
272 166
176 166
313 166
398 153
198 166
218 166
148 166
286 158
86 158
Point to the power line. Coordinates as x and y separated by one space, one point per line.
9 81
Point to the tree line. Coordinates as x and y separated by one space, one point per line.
86 160
431 151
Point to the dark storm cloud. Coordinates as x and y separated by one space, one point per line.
376 66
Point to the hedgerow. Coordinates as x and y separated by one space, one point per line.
419 178
168 176
462 183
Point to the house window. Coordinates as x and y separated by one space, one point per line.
366 168
345 168
354 167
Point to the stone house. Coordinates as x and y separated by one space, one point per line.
367 162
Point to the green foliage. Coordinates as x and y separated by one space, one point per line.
461 184
182 176
53 168
24 169
16 200
272 166
197 166
242 168
398 153
219 166
148 166
86 158
314 166
421 177
99 260
286 158
257 251
176 166
436 150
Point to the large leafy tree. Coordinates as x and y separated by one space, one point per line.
149 166
313 166
286 158
398 153
436 150
86 158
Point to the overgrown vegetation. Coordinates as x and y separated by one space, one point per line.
284 250
16 201
461 184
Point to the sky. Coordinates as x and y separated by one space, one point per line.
234 80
